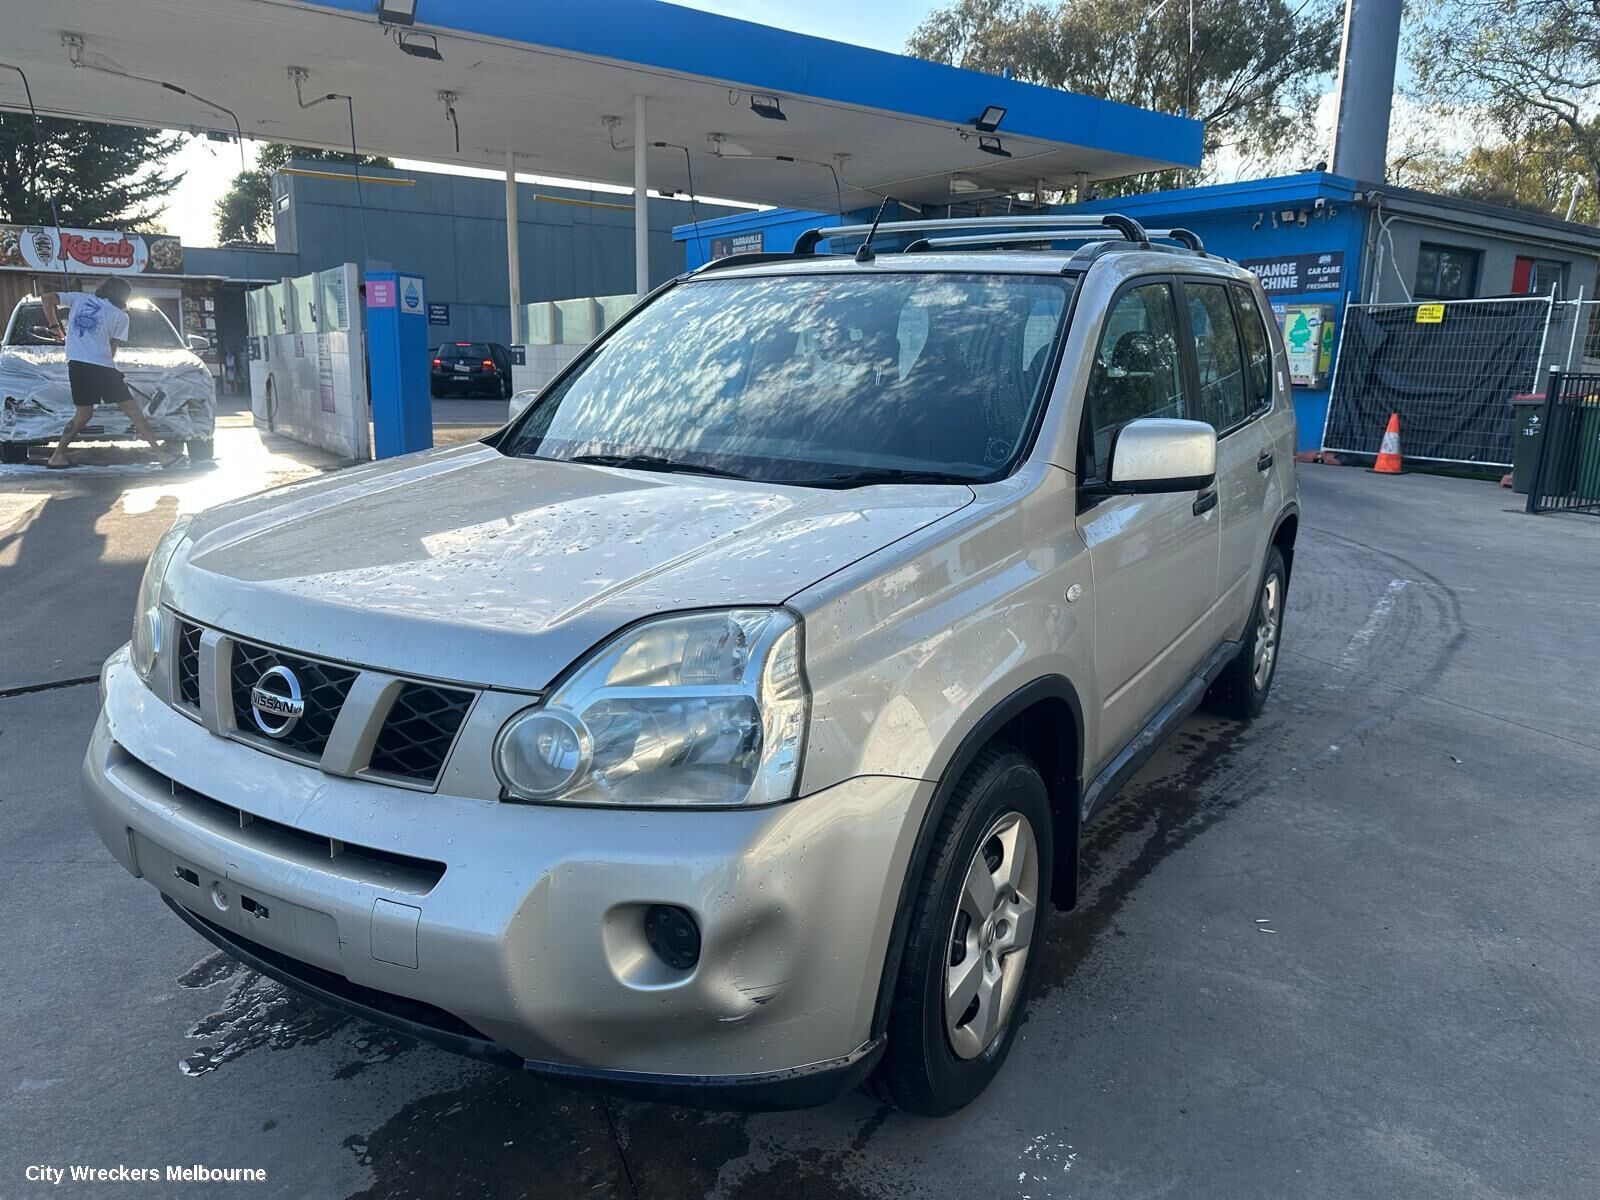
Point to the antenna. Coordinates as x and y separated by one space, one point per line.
864 254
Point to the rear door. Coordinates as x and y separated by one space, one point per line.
1233 362
1154 558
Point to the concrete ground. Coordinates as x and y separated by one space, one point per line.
1348 951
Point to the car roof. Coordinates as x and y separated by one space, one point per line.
1119 256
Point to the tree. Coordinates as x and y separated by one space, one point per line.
1538 173
1529 68
99 175
244 213
1254 75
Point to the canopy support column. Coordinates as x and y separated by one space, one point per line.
641 202
513 250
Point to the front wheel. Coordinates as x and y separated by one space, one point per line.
1241 690
12 453
974 938
200 449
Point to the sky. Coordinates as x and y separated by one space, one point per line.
883 25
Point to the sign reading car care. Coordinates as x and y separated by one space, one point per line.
1296 273
411 301
88 251
438 314
1430 314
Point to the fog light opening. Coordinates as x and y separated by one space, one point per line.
673 936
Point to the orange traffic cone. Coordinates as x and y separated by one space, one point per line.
1389 450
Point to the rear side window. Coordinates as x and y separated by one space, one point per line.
1217 355
1136 369
1257 348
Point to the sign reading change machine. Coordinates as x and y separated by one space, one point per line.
1291 274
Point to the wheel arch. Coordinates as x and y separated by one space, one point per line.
1284 532
1030 719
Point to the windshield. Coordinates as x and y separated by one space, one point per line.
148 327
813 378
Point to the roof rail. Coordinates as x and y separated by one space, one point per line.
746 258
1127 226
1053 235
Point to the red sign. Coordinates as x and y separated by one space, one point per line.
100 252
89 251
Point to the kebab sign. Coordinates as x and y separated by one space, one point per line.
88 251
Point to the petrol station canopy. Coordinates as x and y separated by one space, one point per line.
564 87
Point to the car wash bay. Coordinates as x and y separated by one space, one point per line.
1321 956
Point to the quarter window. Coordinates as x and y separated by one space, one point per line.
1257 347
1136 372
1217 356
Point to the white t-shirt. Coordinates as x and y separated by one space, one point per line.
92 325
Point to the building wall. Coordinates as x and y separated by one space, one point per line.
451 229
1395 278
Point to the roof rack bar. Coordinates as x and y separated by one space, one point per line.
1127 226
1008 239
1048 235
1188 237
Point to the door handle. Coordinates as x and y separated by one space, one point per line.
1264 461
1205 501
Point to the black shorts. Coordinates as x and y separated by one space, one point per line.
93 384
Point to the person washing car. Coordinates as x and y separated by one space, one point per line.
96 326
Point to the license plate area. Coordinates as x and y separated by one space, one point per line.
255 913
462 369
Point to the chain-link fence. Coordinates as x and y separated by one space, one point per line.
1449 370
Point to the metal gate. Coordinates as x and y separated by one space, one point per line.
1566 475
1448 369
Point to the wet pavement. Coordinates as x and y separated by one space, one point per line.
1346 951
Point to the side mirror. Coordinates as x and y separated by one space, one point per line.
1158 454
199 344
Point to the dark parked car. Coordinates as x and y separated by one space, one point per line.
471 369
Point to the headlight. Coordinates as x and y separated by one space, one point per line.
146 643
704 709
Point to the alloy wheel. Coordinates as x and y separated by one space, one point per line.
1265 652
990 935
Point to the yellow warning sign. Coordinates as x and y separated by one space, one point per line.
1430 314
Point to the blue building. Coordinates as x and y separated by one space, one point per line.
1318 242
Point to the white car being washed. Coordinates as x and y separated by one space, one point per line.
164 373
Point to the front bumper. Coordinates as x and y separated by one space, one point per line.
521 926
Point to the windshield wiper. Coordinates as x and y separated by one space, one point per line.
652 462
870 475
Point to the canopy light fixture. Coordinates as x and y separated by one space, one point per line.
989 119
960 184
398 12
768 107
420 45
991 145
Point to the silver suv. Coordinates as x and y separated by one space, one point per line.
722 728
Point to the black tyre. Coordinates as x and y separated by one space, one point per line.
974 936
201 449
1241 690
13 452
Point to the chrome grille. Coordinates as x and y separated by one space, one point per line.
357 721
418 732
322 686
